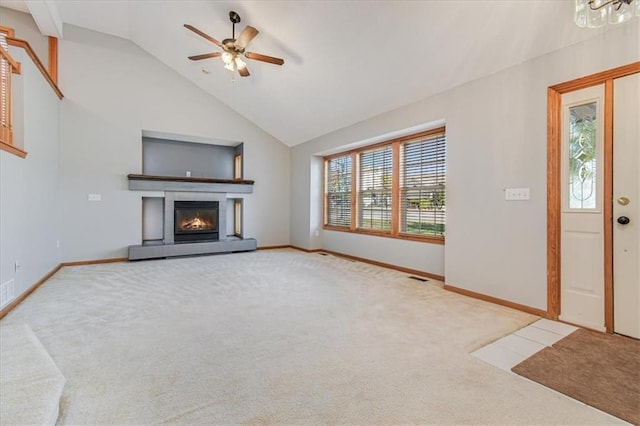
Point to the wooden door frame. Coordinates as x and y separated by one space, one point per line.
554 188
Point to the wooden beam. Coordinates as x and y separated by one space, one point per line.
553 203
11 148
497 301
608 205
94 262
8 31
27 48
385 265
15 65
53 59
30 290
597 78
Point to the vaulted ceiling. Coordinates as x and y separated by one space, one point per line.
345 61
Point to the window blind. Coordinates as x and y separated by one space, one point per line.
338 191
422 186
398 188
375 188
5 75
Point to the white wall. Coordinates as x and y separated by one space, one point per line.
113 90
26 29
29 195
307 216
496 138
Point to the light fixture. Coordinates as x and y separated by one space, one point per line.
596 13
240 64
233 61
227 57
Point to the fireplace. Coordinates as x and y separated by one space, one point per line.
195 221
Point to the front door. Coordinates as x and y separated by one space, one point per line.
584 235
626 205
582 225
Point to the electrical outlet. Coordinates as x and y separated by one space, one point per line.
16 266
516 194
7 292
94 197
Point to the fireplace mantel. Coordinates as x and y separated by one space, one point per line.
168 246
139 182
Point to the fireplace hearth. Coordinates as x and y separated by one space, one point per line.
195 221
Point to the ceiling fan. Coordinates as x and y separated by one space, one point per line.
234 48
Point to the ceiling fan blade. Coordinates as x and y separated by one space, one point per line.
244 72
201 34
264 58
245 37
205 56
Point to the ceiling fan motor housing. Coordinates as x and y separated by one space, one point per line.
229 45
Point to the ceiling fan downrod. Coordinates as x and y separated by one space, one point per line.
234 18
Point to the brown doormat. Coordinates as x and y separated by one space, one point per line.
601 370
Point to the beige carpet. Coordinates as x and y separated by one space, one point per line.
277 337
30 382
601 370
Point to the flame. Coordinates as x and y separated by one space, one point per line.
196 223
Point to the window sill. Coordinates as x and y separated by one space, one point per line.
12 150
422 239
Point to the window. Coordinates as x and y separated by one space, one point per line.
374 189
395 188
582 156
338 172
8 66
422 195
5 91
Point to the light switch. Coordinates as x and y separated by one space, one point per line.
516 194
94 197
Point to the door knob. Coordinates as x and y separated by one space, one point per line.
623 220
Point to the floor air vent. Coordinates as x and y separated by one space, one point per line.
424 280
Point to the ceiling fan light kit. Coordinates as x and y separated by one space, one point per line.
233 49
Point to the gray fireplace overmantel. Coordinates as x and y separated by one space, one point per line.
139 182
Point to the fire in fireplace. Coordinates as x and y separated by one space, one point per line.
195 220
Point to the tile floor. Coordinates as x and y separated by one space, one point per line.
511 350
